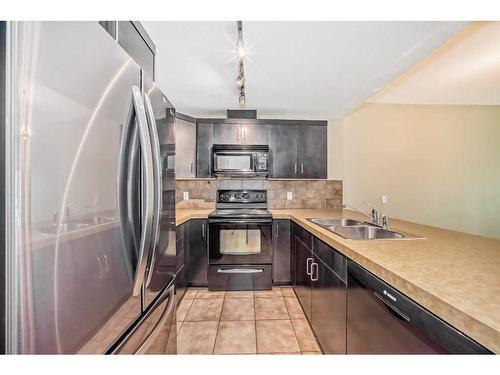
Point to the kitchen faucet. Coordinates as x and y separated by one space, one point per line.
374 215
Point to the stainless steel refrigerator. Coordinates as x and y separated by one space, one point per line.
89 195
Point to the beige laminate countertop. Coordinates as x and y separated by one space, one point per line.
453 274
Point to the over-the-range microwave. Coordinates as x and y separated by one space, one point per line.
240 160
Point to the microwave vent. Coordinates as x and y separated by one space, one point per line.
242 113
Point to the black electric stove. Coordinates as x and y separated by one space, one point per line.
240 241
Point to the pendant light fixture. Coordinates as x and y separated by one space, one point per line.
240 49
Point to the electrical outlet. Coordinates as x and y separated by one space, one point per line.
289 195
185 195
384 199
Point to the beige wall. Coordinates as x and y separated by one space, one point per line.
438 165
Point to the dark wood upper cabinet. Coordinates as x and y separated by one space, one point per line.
227 134
298 151
312 152
255 134
204 142
239 133
284 150
185 137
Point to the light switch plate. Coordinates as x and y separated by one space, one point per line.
384 199
289 195
185 195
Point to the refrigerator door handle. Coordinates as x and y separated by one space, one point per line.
132 202
147 189
125 163
145 345
155 143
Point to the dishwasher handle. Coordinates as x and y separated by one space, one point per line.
393 309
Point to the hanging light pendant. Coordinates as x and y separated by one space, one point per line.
240 79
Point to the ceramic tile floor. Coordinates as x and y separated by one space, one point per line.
246 322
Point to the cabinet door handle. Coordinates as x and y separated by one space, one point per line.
203 230
277 230
309 266
100 267
295 168
301 168
312 272
106 265
192 165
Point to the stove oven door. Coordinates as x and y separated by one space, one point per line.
240 241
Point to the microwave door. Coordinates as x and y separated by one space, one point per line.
239 162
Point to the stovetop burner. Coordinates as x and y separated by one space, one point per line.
241 204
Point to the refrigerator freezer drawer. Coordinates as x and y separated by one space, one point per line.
155 332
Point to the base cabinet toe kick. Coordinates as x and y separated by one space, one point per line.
352 311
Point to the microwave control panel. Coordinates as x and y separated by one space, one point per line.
261 161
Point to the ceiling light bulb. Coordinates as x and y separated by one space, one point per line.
241 51
240 82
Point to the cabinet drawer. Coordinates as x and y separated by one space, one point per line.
303 235
254 277
331 257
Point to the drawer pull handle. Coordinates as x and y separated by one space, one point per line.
240 270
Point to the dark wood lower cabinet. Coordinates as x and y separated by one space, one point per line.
198 253
321 292
282 272
302 283
181 251
349 312
328 308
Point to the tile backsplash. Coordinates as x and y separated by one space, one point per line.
305 193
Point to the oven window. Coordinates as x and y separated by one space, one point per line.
239 241
234 162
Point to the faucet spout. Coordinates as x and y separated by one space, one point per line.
373 216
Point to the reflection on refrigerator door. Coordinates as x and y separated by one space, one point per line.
76 236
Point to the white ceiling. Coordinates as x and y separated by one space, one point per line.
465 70
314 70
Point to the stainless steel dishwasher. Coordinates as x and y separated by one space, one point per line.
381 320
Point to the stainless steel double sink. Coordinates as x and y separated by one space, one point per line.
356 230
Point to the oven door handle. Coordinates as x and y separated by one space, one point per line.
240 221
240 270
